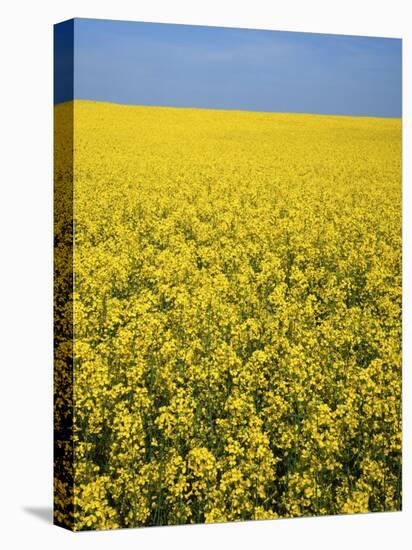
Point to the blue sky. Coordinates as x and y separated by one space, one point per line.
225 68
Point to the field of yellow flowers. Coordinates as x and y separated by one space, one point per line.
236 315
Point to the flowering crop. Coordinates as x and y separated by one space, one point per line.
236 310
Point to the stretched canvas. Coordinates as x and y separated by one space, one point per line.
227 274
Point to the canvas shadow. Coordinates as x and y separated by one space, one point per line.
44 513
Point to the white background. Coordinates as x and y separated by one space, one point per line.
26 272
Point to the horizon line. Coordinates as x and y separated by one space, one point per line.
120 104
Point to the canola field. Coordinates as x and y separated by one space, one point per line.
237 317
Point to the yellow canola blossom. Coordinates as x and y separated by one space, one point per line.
237 316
